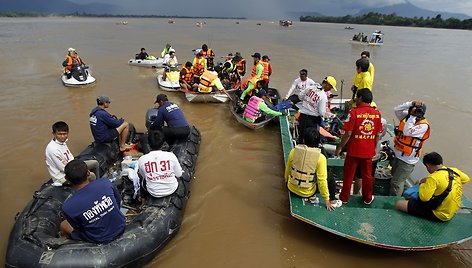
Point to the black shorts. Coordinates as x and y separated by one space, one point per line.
419 209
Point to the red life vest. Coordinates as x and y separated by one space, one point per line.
407 145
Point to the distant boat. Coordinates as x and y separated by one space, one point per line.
285 23
123 22
259 23
170 21
237 22
375 39
349 28
199 24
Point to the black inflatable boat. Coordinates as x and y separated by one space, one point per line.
35 241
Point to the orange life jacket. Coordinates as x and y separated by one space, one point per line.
205 81
188 76
253 80
206 54
199 66
408 145
265 72
241 66
254 67
70 61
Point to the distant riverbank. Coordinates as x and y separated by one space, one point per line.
394 20
77 14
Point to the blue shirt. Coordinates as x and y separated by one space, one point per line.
171 114
94 212
101 122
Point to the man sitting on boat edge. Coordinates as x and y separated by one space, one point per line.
439 194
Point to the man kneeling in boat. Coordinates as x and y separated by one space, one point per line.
439 194
307 168
256 106
158 169
93 212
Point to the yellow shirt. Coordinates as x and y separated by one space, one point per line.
321 174
436 183
371 71
363 80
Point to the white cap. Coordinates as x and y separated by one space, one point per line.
71 49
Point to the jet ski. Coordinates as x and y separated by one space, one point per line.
172 81
80 76
149 62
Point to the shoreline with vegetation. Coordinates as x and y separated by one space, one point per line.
82 14
394 20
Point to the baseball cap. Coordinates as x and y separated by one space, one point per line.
256 55
103 99
71 49
330 80
265 57
161 97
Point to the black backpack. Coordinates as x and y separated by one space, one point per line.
436 201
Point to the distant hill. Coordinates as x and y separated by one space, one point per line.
409 10
53 6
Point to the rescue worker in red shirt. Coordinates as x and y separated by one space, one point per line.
186 76
362 130
72 60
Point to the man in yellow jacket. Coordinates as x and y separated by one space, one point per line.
439 194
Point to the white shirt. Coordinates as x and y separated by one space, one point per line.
57 157
314 101
298 86
410 129
161 170
170 61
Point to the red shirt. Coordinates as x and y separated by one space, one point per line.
364 122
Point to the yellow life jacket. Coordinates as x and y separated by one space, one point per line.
304 163
205 81
406 144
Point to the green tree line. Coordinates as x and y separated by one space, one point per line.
394 20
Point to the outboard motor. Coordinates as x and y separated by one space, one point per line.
151 115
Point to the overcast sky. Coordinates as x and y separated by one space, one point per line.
254 9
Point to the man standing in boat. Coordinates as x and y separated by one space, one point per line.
93 212
314 105
362 129
439 194
362 79
106 127
300 84
208 54
412 131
